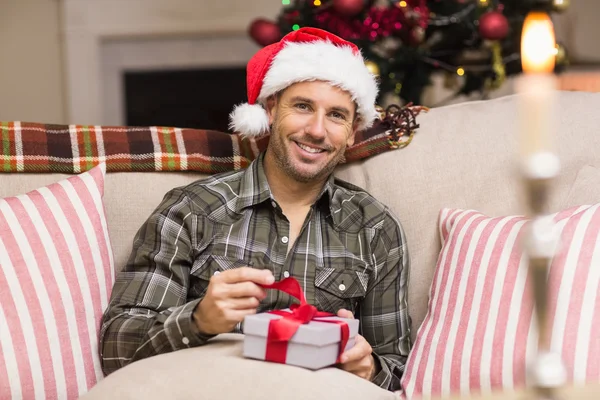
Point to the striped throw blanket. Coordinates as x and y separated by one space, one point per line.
72 149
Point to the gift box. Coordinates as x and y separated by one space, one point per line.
301 335
315 345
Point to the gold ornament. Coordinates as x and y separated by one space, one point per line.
372 67
560 5
561 55
498 67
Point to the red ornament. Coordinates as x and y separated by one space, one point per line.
493 25
348 8
264 32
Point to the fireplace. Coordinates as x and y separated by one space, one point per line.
185 98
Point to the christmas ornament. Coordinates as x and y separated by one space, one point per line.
264 32
348 8
561 55
498 67
493 25
372 67
560 5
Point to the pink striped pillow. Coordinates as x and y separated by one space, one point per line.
56 273
479 332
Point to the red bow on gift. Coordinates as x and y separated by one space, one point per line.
281 330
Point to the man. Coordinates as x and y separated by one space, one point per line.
199 260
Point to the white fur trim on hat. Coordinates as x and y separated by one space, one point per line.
250 120
321 60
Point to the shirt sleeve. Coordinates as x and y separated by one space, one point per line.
384 318
148 313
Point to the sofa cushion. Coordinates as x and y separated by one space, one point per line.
219 371
56 274
480 333
586 189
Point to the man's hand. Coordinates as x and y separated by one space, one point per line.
230 296
359 359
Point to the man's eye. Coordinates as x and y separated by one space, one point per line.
338 115
302 106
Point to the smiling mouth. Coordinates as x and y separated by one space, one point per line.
309 149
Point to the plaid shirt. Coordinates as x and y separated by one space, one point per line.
351 253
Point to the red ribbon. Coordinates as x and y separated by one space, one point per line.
281 330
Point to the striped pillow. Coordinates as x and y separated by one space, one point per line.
479 333
56 272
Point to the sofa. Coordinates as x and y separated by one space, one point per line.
463 156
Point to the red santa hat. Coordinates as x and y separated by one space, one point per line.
307 54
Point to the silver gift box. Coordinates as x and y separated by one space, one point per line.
315 345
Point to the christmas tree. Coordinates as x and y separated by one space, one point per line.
476 43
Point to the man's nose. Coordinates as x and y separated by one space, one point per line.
316 126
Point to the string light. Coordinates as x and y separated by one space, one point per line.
296 27
403 3
460 71
285 2
317 3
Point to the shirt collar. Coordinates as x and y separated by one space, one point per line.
254 187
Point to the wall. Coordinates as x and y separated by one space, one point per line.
31 80
579 28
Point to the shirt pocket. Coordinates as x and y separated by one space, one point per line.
339 288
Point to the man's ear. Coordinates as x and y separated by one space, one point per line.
271 105
355 124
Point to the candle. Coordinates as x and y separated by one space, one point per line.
537 85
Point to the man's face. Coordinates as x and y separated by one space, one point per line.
312 124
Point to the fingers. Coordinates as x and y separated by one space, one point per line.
236 316
244 303
343 313
245 289
361 349
246 274
359 359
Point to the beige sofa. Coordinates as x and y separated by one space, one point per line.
462 156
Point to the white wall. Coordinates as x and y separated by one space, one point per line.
31 80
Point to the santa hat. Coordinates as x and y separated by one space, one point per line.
307 54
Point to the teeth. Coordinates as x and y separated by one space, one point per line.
309 149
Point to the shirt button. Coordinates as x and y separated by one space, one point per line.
185 340
342 287
217 272
274 204
284 239
286 274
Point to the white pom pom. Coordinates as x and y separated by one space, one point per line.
249 120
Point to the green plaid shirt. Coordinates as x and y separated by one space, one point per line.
351 253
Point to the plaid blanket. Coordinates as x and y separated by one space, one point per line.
72 149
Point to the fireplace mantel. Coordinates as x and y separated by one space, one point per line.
102 36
